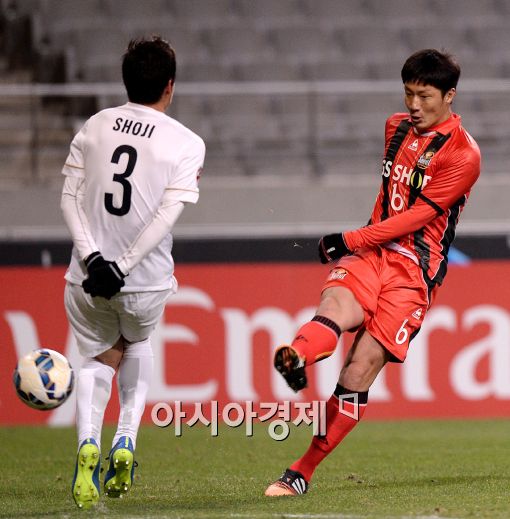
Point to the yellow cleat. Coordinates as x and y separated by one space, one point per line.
85 485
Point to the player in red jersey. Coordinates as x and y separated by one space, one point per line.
388 271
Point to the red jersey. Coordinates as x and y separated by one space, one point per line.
427 179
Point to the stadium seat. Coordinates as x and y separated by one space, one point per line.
460 42
483 69
492 40
331 121
189 45
131 12
295 117
208 70
304 44
98 54
247 121
274 14
236 45
332 14
219 13
370 43
223 165
336 68
392 14
192 111
275 40
60 21
281 163
483 11
269 70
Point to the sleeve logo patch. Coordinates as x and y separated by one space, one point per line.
339 273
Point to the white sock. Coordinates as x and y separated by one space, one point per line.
93 390
133 380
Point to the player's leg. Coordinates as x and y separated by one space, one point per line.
138 317
401 303
96 330
93 391
317 339
344 409
348 297
135 373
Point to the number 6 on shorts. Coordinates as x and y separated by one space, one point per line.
402 333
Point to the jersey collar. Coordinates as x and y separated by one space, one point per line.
144 108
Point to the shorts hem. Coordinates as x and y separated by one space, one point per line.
126 289
86 351
394 357
339 284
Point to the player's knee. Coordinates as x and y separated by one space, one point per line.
109 360
113 356
141 348
358 375
353 377
339 305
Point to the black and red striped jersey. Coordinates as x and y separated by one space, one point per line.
426 181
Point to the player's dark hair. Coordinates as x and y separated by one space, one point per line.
147 67
431 67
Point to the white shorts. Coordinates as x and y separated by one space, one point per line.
98 323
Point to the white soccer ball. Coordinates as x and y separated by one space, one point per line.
43 379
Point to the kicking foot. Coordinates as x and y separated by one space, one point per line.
85 485
121 468
292 483
291 366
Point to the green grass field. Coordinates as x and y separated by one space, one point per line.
388 469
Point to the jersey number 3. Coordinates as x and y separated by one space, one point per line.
121 178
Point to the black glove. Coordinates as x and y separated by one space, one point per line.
94 262
105 277
332 247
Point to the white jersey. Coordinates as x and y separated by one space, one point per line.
129 157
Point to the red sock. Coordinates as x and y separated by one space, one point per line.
316 339
338 425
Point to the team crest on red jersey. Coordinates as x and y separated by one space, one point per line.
424 160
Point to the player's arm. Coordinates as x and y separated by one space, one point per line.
73 194
71 203
448 185
334 246
75 217
182 189
161 224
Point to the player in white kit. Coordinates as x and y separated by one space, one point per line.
129 173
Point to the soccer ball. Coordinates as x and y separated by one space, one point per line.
43 379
